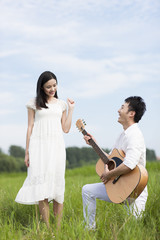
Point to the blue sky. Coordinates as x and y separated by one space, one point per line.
101 52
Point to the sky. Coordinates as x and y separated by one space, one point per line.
101 52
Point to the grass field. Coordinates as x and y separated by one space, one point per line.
20 222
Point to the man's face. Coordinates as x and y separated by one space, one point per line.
124 114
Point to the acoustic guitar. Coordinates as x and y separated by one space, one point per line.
125 187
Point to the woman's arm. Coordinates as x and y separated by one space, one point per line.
31 115
67 119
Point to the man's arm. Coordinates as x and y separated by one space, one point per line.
107 175
120 170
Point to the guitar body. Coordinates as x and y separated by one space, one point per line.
128 186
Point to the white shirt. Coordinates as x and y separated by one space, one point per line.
131 141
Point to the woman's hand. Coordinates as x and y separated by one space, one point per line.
71 103
26 160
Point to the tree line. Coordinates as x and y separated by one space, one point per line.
75 157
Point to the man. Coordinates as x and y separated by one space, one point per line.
131 141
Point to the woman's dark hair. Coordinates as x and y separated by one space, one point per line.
41 97
137 105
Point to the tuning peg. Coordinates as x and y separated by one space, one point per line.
83 122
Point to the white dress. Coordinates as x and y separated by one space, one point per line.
47 156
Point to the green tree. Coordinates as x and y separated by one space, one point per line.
151 155
77 157
16 151
8 164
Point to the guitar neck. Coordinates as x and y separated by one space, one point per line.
97 149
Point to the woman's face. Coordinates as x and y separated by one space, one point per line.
50 88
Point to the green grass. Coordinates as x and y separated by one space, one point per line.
19 222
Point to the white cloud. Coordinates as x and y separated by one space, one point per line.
6 97
12 135
4 112
6 53
99 77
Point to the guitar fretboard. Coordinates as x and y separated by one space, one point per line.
97 149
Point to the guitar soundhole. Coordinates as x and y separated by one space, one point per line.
111 165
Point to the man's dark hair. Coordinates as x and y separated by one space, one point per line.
138 105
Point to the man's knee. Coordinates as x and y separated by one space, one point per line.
85 189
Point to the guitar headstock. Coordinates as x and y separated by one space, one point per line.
80 124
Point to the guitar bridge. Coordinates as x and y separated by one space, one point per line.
116 179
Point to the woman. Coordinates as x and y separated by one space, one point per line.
45 154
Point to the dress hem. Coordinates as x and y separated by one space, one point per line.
37 202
